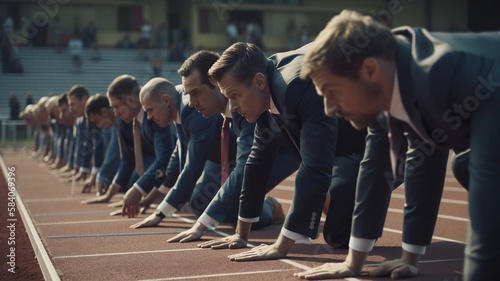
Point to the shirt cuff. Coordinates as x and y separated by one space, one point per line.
114 183
164 189
167 209
208 221
94 170
248 220
414 249
297 237
84 170
136 186
361 244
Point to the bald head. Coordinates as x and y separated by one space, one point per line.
156 88
159 100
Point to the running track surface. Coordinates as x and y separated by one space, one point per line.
85 243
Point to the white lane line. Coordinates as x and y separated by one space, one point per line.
48 270
223 234
400 211
433 237
52 199
436 261
110 234
70 214
443 200
217 275
83 222
56 199
126 253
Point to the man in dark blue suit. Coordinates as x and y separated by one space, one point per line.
287 112
197 155
89 144
435 92
155 143
208 101
98 111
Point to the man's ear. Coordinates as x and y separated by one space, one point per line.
370 70
260 80
165 99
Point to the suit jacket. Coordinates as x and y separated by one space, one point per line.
112 157
444 81
301 127
90 145
157 144
201 142
224 206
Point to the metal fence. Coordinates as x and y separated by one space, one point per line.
13 131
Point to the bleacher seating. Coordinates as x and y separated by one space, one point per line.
46 71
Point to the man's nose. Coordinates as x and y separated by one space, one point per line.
331 107
192 102
233 105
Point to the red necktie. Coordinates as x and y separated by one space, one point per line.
224 150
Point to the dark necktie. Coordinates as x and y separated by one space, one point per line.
224 150
139 162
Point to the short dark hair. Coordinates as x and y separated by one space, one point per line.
78 91
124 85
243 60
63 99
201 61
95 103
337 46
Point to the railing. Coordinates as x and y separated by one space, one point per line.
10 131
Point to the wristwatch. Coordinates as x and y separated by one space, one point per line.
158 213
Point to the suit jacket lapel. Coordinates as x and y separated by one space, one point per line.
407 87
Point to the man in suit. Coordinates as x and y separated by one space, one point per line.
155 143
208 101
440 91
198 153
89 145
69 142
98 111
287 112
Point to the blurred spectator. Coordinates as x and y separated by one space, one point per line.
10 63
254 34
8 26
157 63
233 35
96 53
292 33
14 107
29 98
75 46
90 35
125 43
304 35
177 52
145 35
143 42
57 33
161 36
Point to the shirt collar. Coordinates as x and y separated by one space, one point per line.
140 116
228 112
272 107
397 109
178 118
